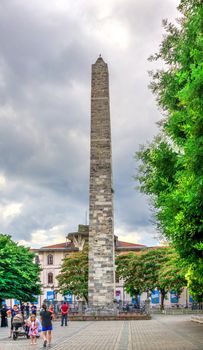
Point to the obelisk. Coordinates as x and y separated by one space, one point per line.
101 283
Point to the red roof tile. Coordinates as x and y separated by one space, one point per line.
59 245
126 244
119 244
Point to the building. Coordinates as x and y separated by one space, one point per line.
51 257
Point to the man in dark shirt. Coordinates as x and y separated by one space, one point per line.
4 321
64 313
27 310
22 308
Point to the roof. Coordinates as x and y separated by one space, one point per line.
59 245
70 245
129 245
64 246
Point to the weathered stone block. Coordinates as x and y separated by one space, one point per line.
101 234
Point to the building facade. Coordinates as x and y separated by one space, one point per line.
51 257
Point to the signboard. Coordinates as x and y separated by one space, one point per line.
190 299
155 297
50 295
68 298
118 295
36 299
174 297
137 300
17 302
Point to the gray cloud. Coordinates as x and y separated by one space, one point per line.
46 52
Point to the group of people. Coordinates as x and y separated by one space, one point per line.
25 310
36 325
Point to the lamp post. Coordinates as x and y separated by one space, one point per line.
55 303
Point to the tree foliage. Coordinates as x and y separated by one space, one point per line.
128 267
19 275
154 268
195 277
171 170
74 275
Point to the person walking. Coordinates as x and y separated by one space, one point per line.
46 318
4 321
27 310
64 313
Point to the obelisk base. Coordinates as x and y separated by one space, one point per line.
102 311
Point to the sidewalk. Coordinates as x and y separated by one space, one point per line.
197 318
160 333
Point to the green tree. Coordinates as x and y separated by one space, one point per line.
195 277
171 170
171 275
19 275
128 267
74 274
154 268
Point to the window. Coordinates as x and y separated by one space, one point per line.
50 259
50 277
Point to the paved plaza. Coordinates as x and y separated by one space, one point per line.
160 333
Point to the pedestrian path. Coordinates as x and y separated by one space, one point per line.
160 333
197 318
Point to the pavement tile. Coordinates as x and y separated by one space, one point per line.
161 333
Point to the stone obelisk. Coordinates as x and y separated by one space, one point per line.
101 283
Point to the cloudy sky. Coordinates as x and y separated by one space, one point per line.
46 51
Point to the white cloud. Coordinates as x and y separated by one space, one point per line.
114 33
131 237
10 211
51 236
2 181
139 235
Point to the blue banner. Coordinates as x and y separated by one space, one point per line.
174 297
36 299
50 295
68 298
155 297
137 300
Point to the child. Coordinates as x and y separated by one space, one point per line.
51 309
33 329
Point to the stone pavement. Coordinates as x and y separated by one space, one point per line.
160 333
